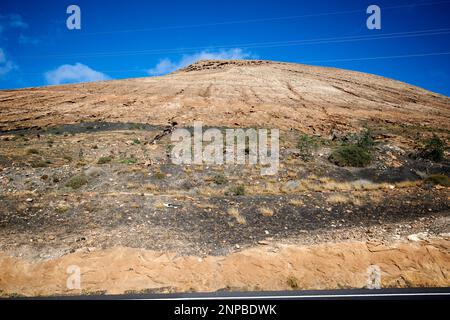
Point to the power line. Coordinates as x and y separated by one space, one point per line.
272 44
257 20
306 61
382 57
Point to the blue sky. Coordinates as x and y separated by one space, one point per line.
124 39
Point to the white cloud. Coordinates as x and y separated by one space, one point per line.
5 64
16 21
73 74
28 40
12 21
166 65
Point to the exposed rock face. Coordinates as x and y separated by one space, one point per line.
232 93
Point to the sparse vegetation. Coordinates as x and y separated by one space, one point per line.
238 190
362 139
355 151
207 206
407 184
39 164
104 160
296 203
187 170
220 179
292 282
159 175
317 185
77 181
266 212
433 149
62 207
338 199
351 156
234 212
307 145
438 179
159 205
32 151
130 160
151 187
136 126
93 293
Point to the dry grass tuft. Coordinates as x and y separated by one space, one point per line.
407 184
206 206
234 212
263 188
292 282
151 187
296 203
338 199
159 205
210 192
266 212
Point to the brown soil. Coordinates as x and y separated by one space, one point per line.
269 267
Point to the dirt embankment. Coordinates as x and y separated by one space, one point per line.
268 267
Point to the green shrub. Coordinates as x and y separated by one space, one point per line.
220 179
438 179
361 139
77 181
433 149
136 141
355 151
307 145
364 139
130 160
351 156
104 160
238 190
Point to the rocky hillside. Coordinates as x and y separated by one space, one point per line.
86 179
232 93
